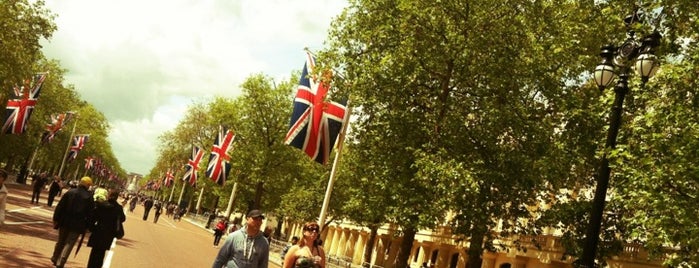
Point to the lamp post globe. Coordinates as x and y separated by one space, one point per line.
604 72
646 66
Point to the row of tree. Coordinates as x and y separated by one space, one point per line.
482 110
24 24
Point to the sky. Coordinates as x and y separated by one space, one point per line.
143 62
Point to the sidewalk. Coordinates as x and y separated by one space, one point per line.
27 238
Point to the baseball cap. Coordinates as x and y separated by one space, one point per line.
255 213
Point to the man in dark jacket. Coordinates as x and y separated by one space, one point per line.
104 224
54 189
38 184
71 219
147 205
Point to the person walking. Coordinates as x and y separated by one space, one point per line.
38 184
71 218
218 231
54 189
157 209
3 196
106 218
245 248
147 205
132 203
308 253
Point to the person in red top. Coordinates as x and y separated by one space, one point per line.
218 231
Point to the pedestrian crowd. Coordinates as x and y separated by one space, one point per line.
89 209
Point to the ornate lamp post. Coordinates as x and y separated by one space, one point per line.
616 61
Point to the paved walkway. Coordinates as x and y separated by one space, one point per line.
27 238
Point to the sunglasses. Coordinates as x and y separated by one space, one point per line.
312 229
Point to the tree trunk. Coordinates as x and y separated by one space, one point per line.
405 247
22 176
215 209
278 232
475 249
369 246
257 204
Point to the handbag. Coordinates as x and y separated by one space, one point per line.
119 229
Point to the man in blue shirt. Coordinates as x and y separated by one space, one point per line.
246 247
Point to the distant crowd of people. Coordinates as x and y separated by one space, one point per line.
172 210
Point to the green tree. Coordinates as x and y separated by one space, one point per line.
23 24
466 93
260 155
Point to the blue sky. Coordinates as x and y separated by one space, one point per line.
143 62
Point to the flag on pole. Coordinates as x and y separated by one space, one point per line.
19 110
219 165
89 162
192 166
57 122
150 185
315 121
169 178
78 144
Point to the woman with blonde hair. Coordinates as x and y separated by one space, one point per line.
307 253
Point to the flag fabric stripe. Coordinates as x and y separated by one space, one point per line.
315 122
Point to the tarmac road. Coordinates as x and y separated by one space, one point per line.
27 238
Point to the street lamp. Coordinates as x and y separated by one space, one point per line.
616 61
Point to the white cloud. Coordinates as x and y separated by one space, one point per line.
142 62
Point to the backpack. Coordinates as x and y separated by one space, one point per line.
221 226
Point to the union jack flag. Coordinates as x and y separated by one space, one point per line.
57 122
78 144
169 178
192 166
19 110
218 160
89 162
150 185
315 122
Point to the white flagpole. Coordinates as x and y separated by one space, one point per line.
201 194
75 174
31 163
169 198
179 201
70 140
333 171
230 201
